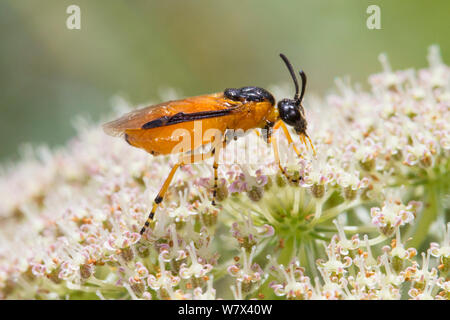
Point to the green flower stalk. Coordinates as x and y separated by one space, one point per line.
368 218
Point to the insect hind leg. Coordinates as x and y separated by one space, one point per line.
159 198
185 159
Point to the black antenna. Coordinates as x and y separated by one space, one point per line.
291 70
303 76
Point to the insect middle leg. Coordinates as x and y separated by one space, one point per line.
216 177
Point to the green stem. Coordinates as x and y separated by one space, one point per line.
427 216
306 260
332 212
287 252
347 229
381 238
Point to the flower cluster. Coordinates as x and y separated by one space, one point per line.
353 223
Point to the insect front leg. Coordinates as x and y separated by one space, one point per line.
289 138
274 142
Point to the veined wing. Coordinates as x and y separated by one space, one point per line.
173 112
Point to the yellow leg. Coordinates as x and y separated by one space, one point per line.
303 138
289 138
310 142
216 176
159 198
191 158
216 152
274 142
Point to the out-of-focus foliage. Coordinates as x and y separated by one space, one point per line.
138 48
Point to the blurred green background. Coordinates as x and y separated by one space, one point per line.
49 74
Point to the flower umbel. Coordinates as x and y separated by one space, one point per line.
365 220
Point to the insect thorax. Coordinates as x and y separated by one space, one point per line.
254 94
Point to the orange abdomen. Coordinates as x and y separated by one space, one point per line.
177 138
187 136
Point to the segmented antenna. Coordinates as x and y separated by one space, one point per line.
291 70
303 76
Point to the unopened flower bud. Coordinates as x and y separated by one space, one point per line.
127 254
350 194
86 270
255 194
318 190
368 164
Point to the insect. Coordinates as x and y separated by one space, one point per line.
152 128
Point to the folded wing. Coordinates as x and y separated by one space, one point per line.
172 112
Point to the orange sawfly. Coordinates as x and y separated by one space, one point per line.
245 108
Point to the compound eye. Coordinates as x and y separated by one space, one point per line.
289 112
292 114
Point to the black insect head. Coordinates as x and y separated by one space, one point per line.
291 110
